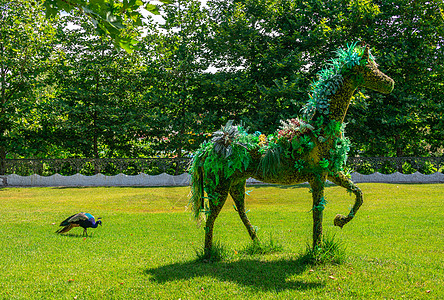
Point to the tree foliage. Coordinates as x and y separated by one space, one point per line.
99 106
408 39
178 106
26 43
289 41
247 60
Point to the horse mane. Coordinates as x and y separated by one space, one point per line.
330 79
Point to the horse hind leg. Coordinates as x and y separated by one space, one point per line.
237 192
342 180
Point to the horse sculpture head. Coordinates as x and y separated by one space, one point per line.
370 76
331 94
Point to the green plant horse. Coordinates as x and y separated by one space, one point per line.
312 149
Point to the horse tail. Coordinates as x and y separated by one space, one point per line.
197 200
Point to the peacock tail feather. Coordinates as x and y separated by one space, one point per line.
67 228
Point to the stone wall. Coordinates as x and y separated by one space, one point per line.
183 180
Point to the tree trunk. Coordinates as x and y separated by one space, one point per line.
96 154
399 151
179 155
2 160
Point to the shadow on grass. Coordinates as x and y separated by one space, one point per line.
74 235
264 275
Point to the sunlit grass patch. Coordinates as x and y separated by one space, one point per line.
146 248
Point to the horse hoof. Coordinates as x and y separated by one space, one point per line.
340 220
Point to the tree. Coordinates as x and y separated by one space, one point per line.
262 54
407 38
25 52
99 105
260 57
279 46
178 110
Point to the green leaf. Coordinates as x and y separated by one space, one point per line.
324 163
128 47
154 9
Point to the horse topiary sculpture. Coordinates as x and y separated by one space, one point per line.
312 149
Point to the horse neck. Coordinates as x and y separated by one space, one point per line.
340 101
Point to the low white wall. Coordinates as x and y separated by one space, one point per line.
183 180
399 178
97 180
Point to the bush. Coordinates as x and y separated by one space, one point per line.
407 168
428 168
131 169
67 170
387 168
88 169
110 170
366 169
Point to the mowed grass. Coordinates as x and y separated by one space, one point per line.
146 246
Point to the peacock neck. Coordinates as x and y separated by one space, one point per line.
95 224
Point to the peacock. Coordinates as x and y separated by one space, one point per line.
83 219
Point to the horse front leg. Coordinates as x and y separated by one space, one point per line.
215 206
317 190
237 192
342 180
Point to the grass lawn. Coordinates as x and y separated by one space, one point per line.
146 246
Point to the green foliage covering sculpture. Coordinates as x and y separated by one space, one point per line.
312 149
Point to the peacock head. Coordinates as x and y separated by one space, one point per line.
99 221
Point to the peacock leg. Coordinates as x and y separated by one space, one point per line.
216 205
317 187
237 192
342 180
